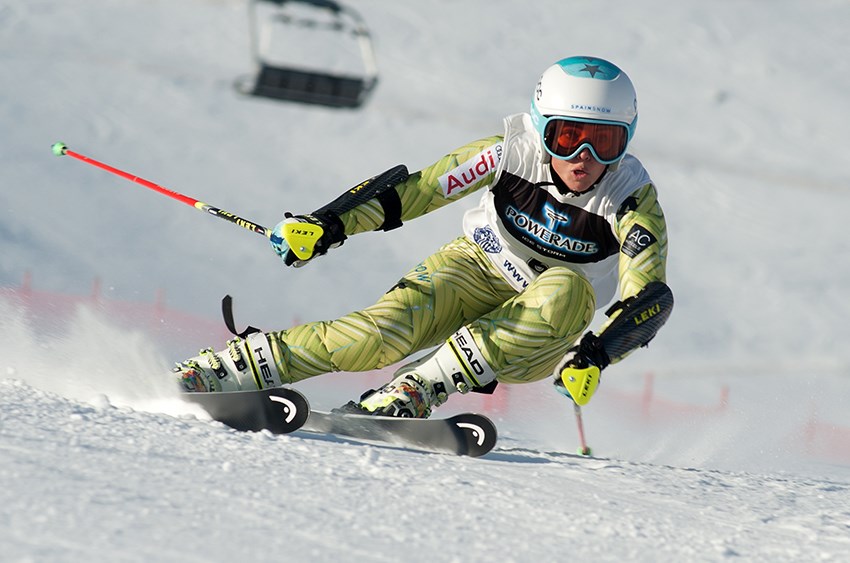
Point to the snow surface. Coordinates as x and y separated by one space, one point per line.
729 438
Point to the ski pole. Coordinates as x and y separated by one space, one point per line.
60 149
584 449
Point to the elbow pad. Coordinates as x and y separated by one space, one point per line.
636 321
380 187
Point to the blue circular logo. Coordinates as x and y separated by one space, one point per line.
487 240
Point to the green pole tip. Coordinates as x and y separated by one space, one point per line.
59 149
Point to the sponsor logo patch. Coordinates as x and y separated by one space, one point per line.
467 174
638 240
547 234
487 240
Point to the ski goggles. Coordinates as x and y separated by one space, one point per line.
565 138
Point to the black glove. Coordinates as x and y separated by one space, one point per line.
577 375
300 238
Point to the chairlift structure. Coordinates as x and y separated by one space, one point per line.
271 21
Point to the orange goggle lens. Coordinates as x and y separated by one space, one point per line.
566 139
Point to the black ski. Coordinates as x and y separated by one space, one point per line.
280 410
464 434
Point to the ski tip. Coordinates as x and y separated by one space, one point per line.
480 434
59 149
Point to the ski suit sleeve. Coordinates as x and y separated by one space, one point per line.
642 233
422 192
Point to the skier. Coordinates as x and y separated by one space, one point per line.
566 219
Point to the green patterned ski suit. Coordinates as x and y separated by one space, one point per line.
526 277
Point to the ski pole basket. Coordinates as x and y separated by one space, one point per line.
303 53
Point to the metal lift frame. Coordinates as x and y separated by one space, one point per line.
317 87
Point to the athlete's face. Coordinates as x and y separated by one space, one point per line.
579 173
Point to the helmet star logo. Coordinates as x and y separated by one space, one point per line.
591 69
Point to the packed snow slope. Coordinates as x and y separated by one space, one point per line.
729 437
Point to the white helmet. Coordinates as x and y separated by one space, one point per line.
585 90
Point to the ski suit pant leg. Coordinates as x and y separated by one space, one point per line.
525 337
521 335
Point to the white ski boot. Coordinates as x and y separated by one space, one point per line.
425 384
245 365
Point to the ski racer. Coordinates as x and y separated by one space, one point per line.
566 219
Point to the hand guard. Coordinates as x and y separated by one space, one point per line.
300 238
577 375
